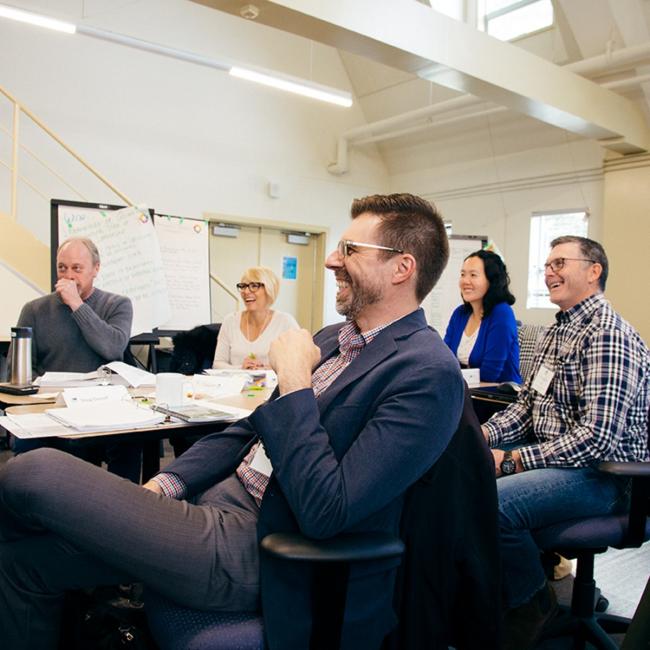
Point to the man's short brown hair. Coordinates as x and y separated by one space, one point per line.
413 225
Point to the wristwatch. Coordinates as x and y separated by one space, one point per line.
508 465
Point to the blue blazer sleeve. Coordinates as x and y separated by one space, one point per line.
496 351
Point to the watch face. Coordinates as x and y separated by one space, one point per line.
508 466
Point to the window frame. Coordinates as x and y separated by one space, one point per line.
535 272
520 4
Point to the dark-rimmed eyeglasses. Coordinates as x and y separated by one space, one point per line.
558 263
346 247
251 286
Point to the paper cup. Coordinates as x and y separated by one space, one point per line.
169 388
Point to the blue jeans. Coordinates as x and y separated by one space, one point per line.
539 498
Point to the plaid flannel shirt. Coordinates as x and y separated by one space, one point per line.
596 407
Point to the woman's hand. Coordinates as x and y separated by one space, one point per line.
251 363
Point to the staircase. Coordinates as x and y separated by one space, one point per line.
24 259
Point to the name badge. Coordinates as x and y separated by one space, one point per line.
261 462
543 380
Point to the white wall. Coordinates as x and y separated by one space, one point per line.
179 137
495 196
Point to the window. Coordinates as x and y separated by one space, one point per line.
451 8
508 19
544 227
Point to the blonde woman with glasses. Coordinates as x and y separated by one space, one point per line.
245 336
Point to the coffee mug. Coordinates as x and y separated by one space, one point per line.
169 388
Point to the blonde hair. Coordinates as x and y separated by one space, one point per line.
264 275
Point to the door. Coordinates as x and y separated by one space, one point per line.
297 260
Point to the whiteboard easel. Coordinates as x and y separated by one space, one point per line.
163 270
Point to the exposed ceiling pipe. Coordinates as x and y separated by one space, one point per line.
628 82
371 132
430 124
620 84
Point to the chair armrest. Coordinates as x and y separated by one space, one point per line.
352 547
625 469
639 498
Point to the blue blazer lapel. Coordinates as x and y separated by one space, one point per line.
383 346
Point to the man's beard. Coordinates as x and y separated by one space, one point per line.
363 293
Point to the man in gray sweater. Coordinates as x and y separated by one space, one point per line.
77 328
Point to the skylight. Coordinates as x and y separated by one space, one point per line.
509 19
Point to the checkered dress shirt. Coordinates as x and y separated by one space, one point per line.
596 407
351 343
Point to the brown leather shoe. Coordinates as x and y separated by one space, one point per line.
523 625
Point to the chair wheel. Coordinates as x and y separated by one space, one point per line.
601 604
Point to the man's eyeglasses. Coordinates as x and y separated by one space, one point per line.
251 286
558 263
346 247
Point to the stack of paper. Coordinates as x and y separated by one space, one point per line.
130 375
93 394
217 385
106 416
68 379
134 376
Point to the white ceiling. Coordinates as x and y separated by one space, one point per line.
583 29
422 119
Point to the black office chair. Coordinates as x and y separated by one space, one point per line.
175 627
450 574
194 350
583 539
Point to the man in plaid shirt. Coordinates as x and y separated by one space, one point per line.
586 401
362 411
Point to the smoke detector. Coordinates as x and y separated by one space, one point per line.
250 12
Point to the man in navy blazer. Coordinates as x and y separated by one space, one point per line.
361 412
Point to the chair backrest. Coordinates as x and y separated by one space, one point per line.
448 586
194 349
528 336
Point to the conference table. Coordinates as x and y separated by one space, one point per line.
485 404
150 436
487 400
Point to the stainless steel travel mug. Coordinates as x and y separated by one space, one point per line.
21 356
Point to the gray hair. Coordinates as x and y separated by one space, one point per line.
88 243
591 250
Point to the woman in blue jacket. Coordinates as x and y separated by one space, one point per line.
482 332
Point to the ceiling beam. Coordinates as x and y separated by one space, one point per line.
412 37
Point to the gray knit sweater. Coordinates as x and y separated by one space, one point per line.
79 341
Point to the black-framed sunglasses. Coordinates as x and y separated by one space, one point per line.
347 246
558 263
251 286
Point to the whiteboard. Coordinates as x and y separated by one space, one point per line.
185 249
445 296
167 291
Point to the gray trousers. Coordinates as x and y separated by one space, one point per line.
66 524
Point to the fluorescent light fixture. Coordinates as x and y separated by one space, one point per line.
268 78
299 87
36 19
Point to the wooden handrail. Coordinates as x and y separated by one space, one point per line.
225 287
18 108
